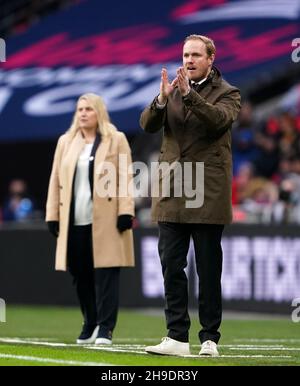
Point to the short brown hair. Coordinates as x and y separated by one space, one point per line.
209 43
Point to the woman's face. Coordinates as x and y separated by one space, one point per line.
87 116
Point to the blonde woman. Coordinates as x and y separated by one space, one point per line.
93 230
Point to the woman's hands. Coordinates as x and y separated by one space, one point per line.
53 227
124 222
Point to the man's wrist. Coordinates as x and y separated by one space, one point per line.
161 100
187 93
160 104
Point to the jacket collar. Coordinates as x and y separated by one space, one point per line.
215 76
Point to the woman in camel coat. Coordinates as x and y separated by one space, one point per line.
90 211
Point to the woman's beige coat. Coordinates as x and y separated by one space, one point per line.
110 247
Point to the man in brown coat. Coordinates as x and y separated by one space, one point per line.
196 111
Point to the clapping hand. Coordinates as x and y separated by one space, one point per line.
183 81
165 87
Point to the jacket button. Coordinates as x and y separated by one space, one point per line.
61 204
60 187
109 198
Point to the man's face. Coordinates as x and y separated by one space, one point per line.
196 62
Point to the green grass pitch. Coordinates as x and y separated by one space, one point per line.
39 336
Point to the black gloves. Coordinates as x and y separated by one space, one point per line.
53 227
124 222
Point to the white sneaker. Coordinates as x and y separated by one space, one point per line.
103 341
88 335
169 346
209 348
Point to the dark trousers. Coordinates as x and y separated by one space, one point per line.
174 240
97 289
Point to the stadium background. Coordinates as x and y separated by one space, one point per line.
56 50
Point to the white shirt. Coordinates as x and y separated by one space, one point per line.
82 192
200 81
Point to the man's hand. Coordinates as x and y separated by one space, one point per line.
165 87
183 81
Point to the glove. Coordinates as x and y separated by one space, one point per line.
124 222
53 227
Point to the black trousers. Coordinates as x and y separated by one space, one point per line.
97 289
174 240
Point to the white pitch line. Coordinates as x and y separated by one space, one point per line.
140 349
47 339
256 356
116 349
292 340
265 348
138 340
50 360
34 342
130 346
246 345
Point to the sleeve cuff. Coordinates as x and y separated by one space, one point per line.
160 106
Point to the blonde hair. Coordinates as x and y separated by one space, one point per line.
209 43
105 127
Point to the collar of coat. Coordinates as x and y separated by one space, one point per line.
215 77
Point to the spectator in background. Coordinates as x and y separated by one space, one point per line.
18 206
285 167
266 162
243 138
296 147
287 209
259 198
241 181
289 137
